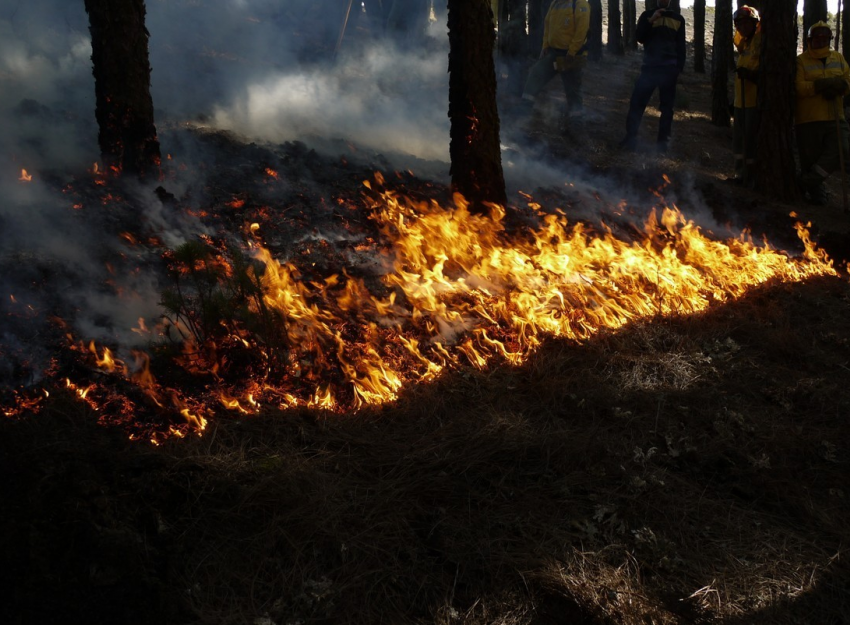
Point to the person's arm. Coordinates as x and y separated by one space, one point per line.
805 88
582 24
644 27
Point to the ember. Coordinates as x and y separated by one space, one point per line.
25 177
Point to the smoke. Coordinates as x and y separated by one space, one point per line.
268 70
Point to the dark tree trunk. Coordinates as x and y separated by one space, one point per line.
594 33
629 24
615 33
536 13
512 44
475 153
845 37
813 11
775 168
720 60
122 82
699 36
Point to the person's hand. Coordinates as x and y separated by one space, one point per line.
838 86
745 73
821 85
543 52
659 13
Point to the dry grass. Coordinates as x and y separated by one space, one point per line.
687 470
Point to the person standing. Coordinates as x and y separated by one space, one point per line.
823 79
745 132
564 52
662 33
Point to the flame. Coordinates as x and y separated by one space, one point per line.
457 290
25 177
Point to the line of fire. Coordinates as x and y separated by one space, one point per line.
343 298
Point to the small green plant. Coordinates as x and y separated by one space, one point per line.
216 304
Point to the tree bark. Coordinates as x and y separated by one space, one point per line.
699 36
813 11
615 36
122 74
845 37
720 60
536 14
629 24
475 152
775 168
594 33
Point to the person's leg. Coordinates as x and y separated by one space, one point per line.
539 74
738 130
571 79
813 140
641 94
751 147
667 95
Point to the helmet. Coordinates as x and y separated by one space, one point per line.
746 12
818 26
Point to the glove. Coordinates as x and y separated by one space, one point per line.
830 88
745 73
838 86
567 62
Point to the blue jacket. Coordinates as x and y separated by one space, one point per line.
664 41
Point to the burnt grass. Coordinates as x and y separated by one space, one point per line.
680 470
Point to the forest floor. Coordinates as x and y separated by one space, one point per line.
679 470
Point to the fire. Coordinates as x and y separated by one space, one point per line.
457 290
469 294
25 177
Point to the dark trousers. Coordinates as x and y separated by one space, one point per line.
652 78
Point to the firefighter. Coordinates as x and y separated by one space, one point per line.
662 33
823 78
748 43
564 52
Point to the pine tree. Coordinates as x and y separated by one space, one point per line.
720 62
775 167
122 73
699 36
475 151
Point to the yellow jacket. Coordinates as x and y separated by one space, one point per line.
812 107
748 56
565 26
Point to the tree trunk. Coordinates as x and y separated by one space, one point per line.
813 11
720 60
838 25
775 168
513 44
699 36
615 36
594 33
629 24
476 157
845 38
536 13
122 81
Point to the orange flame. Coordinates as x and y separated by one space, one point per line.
25 177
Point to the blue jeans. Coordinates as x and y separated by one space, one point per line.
652 78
